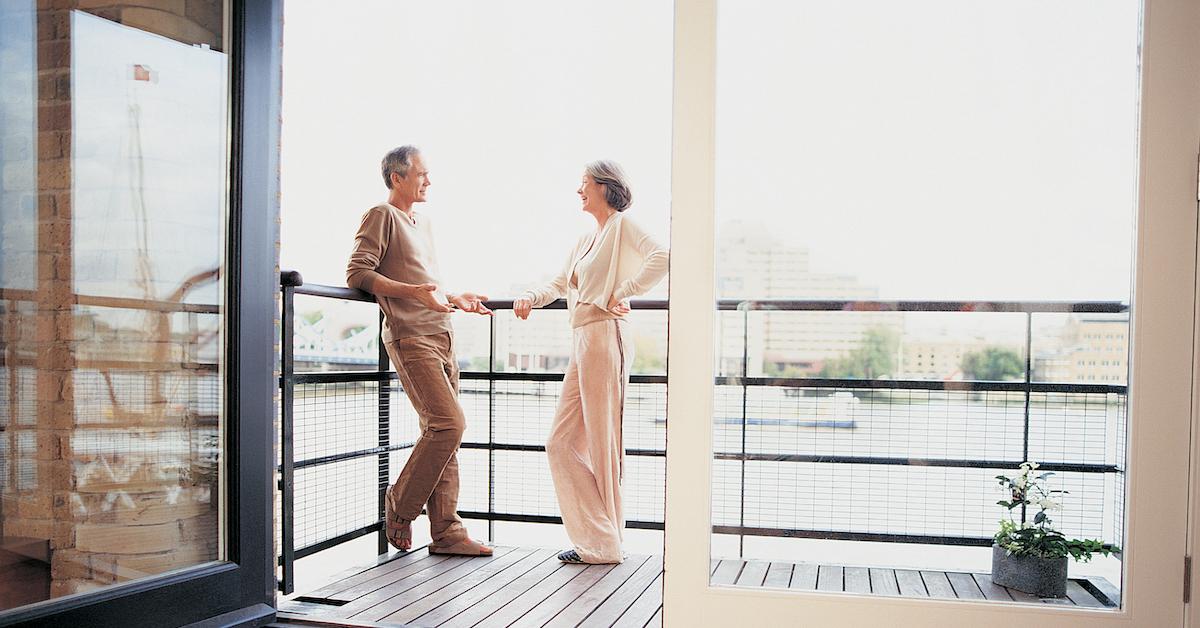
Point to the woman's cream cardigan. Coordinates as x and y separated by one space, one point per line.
624 262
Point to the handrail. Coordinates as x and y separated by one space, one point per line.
788 305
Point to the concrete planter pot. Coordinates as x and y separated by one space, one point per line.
1043 577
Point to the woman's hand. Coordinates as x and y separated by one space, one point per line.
618 306
522 307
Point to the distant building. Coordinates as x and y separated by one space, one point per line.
1094 349
753 264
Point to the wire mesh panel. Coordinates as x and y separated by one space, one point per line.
523 484
523 411
334 499
807 455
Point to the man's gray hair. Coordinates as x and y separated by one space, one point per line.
398 161
616 184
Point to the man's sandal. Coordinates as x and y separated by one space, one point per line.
397 530
465 547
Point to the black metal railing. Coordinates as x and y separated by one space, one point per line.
394 439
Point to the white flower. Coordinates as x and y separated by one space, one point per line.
1021 482
1049 504
1029 466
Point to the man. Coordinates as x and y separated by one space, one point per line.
394 259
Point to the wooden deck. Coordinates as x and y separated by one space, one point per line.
530 587
1087 592
514 587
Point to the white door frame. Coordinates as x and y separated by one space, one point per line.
1162 378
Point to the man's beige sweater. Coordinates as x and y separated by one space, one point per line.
391 244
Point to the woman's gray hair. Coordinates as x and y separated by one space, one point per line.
616 184
398 161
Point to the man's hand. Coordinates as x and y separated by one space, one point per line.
522 308
423 293
470 302
620 307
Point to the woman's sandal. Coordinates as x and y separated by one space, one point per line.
571 557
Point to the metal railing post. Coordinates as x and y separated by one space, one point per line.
745 394
383 390
491 428
1028 391
287 475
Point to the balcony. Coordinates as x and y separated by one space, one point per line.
819 483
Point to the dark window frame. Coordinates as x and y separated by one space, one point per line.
241 589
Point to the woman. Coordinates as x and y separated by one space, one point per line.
619 260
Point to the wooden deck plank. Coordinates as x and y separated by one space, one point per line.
937 584
1107 589
779 575
442 572
883 581
830 578
1023 597
964 585
657 620
532 597
367 587
858 579
340 584
583 606
494 592
569 592
460 586
910 583
991 590
459 569
753 574
727 572
644 608
624 596
804 577
1081 596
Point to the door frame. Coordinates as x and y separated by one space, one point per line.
241 589
1163 330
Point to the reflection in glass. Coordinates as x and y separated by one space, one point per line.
111 276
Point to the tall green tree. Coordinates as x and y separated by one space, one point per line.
993 364
873 359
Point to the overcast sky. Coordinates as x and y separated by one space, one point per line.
934 149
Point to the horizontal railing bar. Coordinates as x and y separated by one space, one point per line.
958 463
830 535
878 305
917 384
519 518
350 455
961 463
343 377
809 305
651 453
337 540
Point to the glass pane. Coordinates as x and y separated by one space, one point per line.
114 202
924 227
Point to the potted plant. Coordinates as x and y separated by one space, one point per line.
1032 557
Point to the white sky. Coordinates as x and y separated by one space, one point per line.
935 149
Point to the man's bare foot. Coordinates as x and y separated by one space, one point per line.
397 530
465 547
